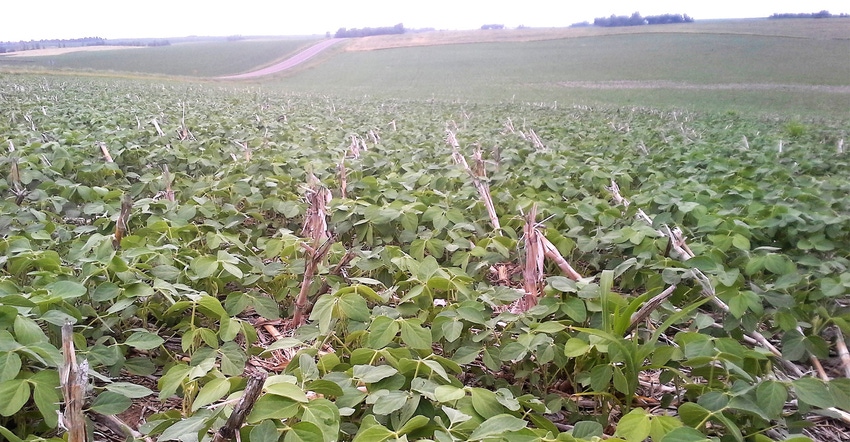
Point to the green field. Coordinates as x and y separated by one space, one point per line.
413 329
573 69
795 67
202 59
620 235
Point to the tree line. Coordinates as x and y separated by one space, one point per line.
12 46
366 32
637 20
821 14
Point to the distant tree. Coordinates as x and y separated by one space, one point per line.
620 20
637 20
365 32
488 27
820 14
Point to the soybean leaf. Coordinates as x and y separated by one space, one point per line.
304 432
109 402
14 394
499 424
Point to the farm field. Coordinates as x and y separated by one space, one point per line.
525 235
760 74
400 269
201 59
765 67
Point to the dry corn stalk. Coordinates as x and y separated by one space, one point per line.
252 391
648 307
18 189
535 140
105 150
357 143
73 379
315 230
166 178
246 150
158 129
121 223
532 272
841 346
537 247
678 244
343 177
183 132
375 135
479 178
552 253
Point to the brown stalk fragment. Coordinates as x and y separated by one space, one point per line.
678 244
73 379
166 179
841 345
18 189
252 392
315 229
537 248
532 273
648 307
105 151
158 129
551 252
343 177
479 178
123 218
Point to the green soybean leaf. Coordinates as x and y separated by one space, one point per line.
144 340
587 429
204 266
685 434
449 393
109 402
371 374
813 392
304 432
414 335
10 366
14 394
382 331
265 432
67 289
287 390
129 390
634 426
271 406
497 425
211 392
486 403
771 395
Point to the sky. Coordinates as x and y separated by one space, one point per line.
119 19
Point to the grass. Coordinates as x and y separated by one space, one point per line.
204 59
657 67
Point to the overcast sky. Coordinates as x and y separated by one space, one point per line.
47 19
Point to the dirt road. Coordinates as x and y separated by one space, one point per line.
290 62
